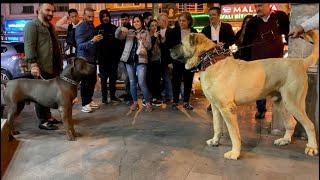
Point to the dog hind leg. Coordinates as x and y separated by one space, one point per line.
289 124
217 126
230 117
296 106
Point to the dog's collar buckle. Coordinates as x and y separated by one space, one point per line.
69 80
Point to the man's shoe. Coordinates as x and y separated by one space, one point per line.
87 109
260 115
167 101
54 121
156 102
48 126
144 102
105 101
134 106
94 105
115 100
174 106
187 106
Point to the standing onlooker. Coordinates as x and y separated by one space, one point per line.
263 36
42 51
125 22
154 75
147 16
174 38
86 49
217 31
166 60
70 28
108 50
241 53
135 55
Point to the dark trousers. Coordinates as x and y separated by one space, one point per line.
155 78
261 105
43 113
178 73
87 88
110 72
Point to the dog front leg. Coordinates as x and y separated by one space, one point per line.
217 126
66 114
229 115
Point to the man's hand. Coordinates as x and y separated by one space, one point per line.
97 38
170 66
296 32
35 70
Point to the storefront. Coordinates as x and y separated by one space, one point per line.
235 13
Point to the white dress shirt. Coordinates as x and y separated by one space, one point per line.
215 32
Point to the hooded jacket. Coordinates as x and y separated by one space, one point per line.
108 49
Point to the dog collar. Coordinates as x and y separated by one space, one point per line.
69 80
210 57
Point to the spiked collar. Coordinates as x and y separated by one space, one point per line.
210 57
68 80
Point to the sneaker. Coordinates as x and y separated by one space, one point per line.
260 115
54 121
149 107
174 106
115 100
48 126
134 106
144 103
187 106
156 102
94 105
87 108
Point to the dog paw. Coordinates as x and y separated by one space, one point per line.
70 136
213 142
311 151
77 134
281 142
234 155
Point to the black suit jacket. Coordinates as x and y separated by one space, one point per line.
226 34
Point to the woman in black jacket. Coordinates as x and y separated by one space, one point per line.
179 72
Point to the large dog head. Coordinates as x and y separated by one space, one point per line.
192 46
78 69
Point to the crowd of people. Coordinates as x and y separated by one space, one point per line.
143 49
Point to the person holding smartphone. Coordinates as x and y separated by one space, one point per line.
108 50
153 70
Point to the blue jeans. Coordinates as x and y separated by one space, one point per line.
261 105
167 82
138 72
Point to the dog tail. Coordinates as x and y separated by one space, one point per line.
314 56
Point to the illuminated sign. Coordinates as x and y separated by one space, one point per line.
15 26
237 12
